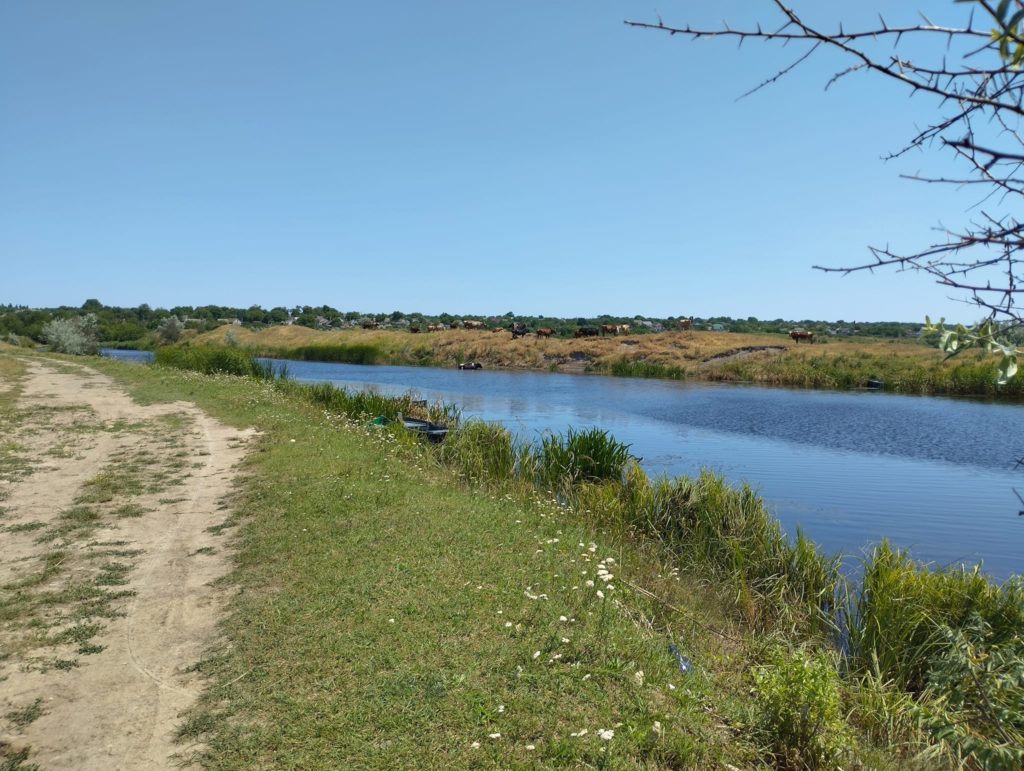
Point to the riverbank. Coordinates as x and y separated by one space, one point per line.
405 605
899 366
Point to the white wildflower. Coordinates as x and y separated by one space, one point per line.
475 745
600 594
590 584
494 736
531 747
536 655
563 619
639 677
607 734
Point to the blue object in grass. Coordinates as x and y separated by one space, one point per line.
685 665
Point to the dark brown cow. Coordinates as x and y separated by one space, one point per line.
413 329
802 334
518 330
587 332
545 332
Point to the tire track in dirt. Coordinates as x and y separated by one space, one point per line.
119 707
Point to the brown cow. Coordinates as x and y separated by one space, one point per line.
686 324
802 334
414 329
609 329
545 332
587 332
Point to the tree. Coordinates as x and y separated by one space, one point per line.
75 335
169 330
974 75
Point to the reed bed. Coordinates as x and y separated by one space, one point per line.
211 360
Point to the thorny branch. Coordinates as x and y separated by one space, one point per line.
975 76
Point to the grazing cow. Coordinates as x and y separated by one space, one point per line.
435 327
587 332
414 329
367 324
802 334
622 329
609 329
686 324
471 324
518 330
497 329
545 332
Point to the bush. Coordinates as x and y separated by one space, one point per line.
76 336
798 696
974 702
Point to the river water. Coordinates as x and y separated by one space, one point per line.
932 474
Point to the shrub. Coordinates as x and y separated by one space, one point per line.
76 335
974 702
798 696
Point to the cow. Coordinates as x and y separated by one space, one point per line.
587 332
414 329
435 327
367 324
609 329
622 329
802 334
686 324
472 324
545 332
518 330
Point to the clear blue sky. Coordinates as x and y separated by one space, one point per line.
468 157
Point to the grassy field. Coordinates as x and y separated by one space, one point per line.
400 605
904 366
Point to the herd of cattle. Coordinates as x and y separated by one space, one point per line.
519 329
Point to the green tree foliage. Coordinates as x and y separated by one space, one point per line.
76 336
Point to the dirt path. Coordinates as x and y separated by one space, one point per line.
107 568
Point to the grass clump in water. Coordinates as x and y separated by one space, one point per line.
584 455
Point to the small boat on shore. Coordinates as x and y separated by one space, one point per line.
434 432
471 365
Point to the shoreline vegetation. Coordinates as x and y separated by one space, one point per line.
906 666
896 366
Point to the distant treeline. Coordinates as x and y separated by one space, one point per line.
138 326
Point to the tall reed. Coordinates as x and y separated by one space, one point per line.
215 360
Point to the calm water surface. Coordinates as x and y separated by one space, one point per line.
932 474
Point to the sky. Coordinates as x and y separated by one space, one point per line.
452 156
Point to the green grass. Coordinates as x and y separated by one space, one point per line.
367 628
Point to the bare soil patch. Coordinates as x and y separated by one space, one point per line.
108 571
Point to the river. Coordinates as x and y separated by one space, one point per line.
935 475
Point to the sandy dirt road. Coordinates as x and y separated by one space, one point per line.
107 568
